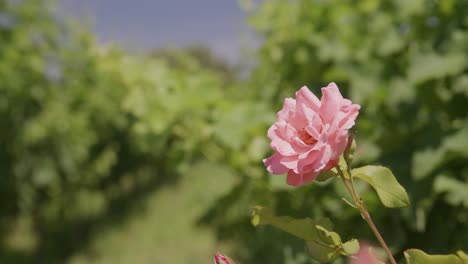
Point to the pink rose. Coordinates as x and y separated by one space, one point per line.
366 255
220 258
309 134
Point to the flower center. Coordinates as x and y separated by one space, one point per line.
306 137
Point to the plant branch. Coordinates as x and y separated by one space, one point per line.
368 219
363 210
348 185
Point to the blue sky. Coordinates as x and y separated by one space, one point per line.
146 24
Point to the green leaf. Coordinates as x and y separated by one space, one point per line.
329 245
325 175
428 160
416 256
333 239
455 190
321 252
302 228
329 237
351 247
390 192
424 67
323 245
425 161
463 256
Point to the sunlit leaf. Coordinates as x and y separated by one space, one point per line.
416 256
351 247
390 192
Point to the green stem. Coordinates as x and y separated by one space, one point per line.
362 208
348 185
351 178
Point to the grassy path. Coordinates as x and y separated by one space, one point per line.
164 230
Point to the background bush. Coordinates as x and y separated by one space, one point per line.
87 131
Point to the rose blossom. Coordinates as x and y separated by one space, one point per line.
220 258
366 255
309 134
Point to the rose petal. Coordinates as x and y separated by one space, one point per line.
316 161
331 101
295 179
348 120
289 107
306 97
282 137
273 164
290 162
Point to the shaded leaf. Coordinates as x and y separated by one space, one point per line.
456 190
428 160
325 175
302 228
425 161
321 252
322 244
433 66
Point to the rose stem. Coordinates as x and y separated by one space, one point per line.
364 213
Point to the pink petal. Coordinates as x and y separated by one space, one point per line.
331 164
307 160
305 96
338 144
290 162
282 146
295 179
348 120
316 160
273 164
282 139
314 127
331 101
302 116
289 107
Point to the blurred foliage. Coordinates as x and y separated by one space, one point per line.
87 131
202 54
406 63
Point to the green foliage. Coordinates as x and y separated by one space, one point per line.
390 192
87 131
329 245
322 244
416 256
